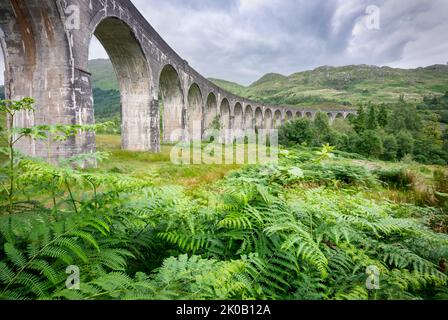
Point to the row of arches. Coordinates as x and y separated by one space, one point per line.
203 113
183 111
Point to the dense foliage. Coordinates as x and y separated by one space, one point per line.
390 133
306 228
437 104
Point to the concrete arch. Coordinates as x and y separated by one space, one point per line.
134 77
224 112
340 116
170 90
194 112
298 114
248 118
258 118
268 119
289 116
211 111
278 119
238 119
309 115
37 65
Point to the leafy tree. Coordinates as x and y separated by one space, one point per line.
405 143
390 148
370 144
299 131
322 128
383 116
431 129
11 137
444 116
361 120
445 140
372 121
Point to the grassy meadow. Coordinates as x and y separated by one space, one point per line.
159 165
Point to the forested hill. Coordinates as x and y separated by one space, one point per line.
105 93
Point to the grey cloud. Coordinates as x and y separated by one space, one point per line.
248 38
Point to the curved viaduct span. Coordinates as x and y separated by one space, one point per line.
46 49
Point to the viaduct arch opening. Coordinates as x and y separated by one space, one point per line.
171 105
211 112
277 119
249 118
268 121
225 114
195 110
134 77
238 121
258 119
225 118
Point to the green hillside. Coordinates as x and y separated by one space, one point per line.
230 86
103 74
105 93
346 86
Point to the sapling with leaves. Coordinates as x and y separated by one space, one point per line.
325 153
11 135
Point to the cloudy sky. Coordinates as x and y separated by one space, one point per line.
241 40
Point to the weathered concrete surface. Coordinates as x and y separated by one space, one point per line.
46 53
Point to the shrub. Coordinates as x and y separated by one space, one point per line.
347 174
396 178
296 132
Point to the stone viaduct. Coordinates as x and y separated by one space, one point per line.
46 50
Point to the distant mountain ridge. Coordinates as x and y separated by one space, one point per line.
346 86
